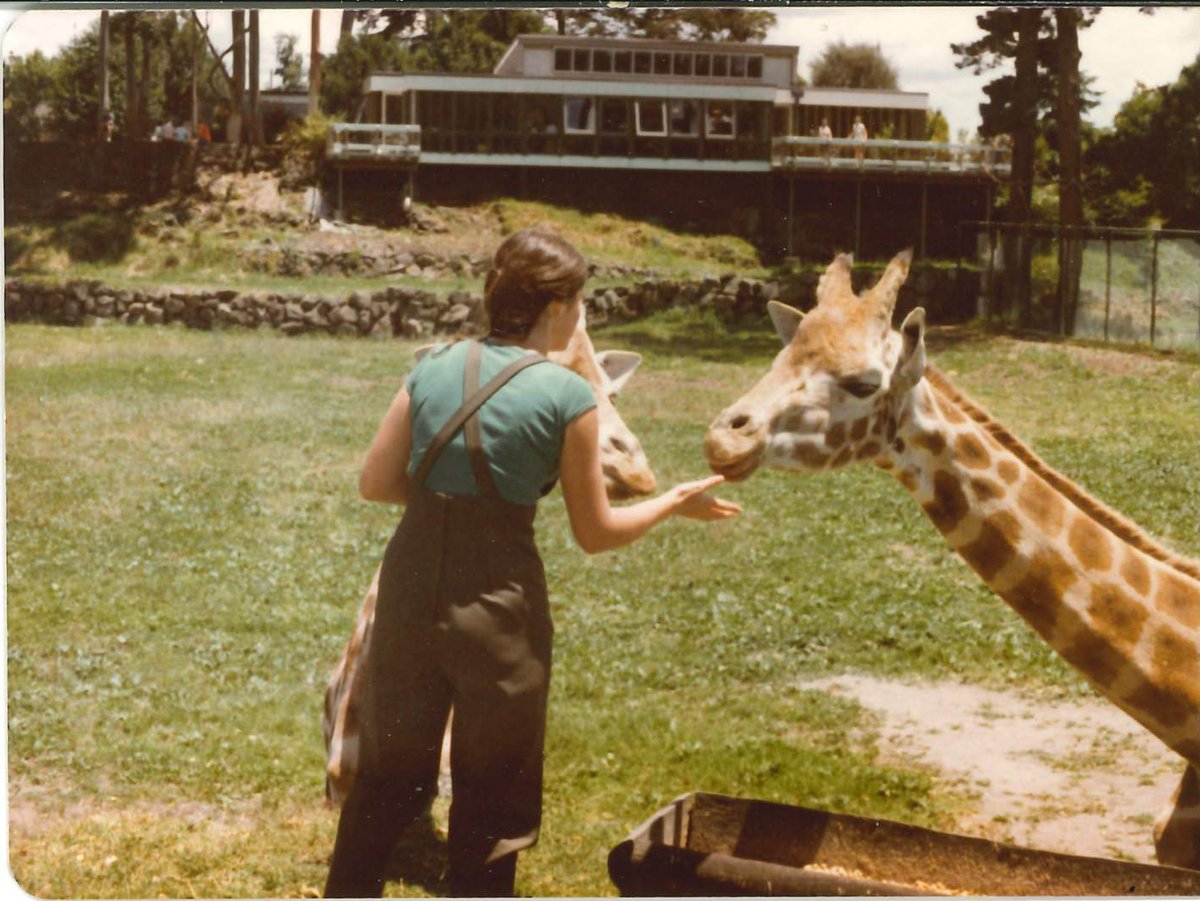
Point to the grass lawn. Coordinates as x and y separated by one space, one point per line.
186 554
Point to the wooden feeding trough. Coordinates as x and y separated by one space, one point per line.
703 844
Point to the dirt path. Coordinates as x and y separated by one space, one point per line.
1080 776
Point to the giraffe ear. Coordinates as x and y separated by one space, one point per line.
911 367
422 350
618 365
785 319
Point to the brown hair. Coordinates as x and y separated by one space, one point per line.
531 268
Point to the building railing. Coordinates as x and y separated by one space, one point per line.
366 141
796 152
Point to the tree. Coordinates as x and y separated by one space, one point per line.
256 126
28 82
102 108
314 65
288 64
936 127
843 65
1070 177
233 128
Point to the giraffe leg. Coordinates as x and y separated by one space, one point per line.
1177 829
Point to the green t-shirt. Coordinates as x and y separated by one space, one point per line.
522 424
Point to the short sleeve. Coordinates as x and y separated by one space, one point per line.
410 382
576 398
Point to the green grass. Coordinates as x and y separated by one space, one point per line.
186 555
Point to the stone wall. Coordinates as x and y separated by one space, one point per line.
947 294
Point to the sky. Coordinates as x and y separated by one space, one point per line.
1122 48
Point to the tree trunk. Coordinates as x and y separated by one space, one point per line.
132 128
102 110
256 127
194 45
1025 99
1070 192
314 66
349 16
233 131
144 87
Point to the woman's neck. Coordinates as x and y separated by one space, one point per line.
538 339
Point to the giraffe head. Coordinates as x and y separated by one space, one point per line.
626 471
832 394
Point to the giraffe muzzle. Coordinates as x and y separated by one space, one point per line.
734 445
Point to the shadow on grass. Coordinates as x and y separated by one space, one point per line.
700 337
419 858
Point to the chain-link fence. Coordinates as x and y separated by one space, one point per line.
1120 284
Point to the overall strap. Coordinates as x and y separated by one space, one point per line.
475 397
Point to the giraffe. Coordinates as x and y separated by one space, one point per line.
1118 606
626 474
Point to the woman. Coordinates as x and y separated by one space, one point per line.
462 617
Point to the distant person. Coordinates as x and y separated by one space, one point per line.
107 125
203 135
182 134
858 132
825 133
168 131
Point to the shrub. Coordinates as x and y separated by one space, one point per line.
97 237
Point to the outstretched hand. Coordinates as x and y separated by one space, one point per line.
690 500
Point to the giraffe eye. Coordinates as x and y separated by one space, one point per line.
858 388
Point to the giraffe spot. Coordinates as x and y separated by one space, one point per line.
970 451
792 422
836 436
844 456
1009 471
986 489
1172 689
870 450
934 442
1117 616
1135 571
884 463
1038 596
809 454
858 431
1043 505
953 414
1178 599
1090 543
877 425
949 504
1189 789
1094 655
908 478
994 546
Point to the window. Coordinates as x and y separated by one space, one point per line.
579 115
651 117
641 62
582 61
720 66
562 60
623 61
737 66
685 118
754 66
614 116
719 121
662 63
703 64
683 64
601 60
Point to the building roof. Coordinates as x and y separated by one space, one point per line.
653 44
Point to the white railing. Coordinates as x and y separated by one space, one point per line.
364 141
796 152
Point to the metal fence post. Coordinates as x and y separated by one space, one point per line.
1107 279
1153 287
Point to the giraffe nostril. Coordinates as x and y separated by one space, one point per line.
739 422
619 446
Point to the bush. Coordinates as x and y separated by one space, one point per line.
97 237
304 146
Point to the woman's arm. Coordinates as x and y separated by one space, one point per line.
384 476
600 527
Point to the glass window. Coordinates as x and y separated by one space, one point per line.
662 63
737 66
623 61
685 118
582 61
703 66
754 66
720 67
651 117
641 62
614 116
562 60
579 115
683 64
601 60
719 120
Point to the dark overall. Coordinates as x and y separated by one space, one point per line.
463 621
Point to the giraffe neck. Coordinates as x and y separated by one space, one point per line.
1114 604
